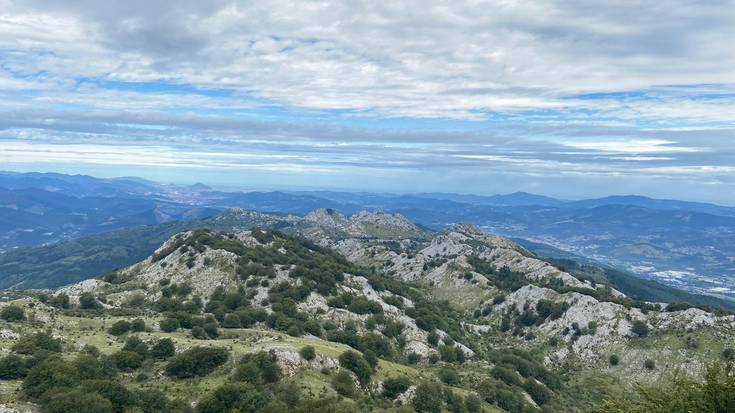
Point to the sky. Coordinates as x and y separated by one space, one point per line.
564 98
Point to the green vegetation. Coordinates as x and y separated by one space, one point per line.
345 354
715 393
13 313
198 361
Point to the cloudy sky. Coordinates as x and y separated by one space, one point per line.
565 98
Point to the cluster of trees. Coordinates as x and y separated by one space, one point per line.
504 278
13 313
86 383
515 372
432 397
714 393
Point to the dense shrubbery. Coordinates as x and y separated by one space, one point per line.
504 278
12 313
197 361
258 369
640 328
12 367
119 328
33 343
308 353
163 348
354 362
233 397
395 386
716 393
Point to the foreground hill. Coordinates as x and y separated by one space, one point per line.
335 313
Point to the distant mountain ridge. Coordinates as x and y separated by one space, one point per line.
688 245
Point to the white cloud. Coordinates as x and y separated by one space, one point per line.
504 88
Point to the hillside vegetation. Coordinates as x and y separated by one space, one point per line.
367 313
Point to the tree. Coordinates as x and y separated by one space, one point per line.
119 328
197 361
138 325
649 364
12 313
164 348
49 373
428 398
308 353
258 368
357 364
233 397
169 325
126 360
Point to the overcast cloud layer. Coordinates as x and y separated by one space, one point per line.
564 98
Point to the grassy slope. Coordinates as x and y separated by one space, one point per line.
78 331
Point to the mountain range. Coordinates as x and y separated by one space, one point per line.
683 244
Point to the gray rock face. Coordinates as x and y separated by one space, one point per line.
613 322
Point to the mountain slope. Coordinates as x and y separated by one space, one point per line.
455 315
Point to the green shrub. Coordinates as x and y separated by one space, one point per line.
138 325
87 301
357 364
119 396
449 376
506 375
12 367
76 401
169 325
258 368
197 361
47 374
164 348
233 397
231 321
126 360
13 313
640 328
472 403
395 386
428 398
614 359
538 392
198 332
649 364
362 305
308 353
30 344
343 384
119 328
711 393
